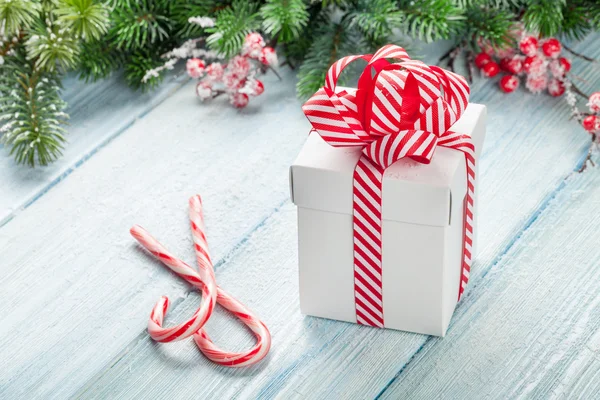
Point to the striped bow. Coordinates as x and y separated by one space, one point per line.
400 109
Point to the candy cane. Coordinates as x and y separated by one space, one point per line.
204 279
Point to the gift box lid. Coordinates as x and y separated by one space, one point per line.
321 178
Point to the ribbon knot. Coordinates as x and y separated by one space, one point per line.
399 109
412 103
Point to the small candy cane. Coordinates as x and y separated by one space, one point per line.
204 279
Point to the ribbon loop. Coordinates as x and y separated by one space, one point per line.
336 69
390 51
416 144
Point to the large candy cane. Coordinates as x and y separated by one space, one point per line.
204 279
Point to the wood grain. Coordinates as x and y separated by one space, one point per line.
77 291
98 113
532 330
523 166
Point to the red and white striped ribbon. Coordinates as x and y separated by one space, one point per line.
203 279
404 109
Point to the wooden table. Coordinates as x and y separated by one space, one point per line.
76 290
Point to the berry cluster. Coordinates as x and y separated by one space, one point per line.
237 78
537 62
591 122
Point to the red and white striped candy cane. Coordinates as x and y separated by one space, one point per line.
204 279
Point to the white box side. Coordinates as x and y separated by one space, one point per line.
413 277
413 280
326 259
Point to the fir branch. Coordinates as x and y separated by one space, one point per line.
232 24
579 18
84 18
17 15
503 4
296 51
376 18
31 112
431 20
332 42
182 11
284 19
544 16
489 26
142 22
328 3
51 47
136 67
98 60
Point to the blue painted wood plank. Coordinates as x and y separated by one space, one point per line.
532 329
531 148
76 289
98 112
80 280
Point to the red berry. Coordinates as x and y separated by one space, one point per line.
259 88
481 59
514 65
239 100
268 57
560 67
594 102
528 45
490 69
565 63
555 87
536 83
534 65
551 48
591 123
509 83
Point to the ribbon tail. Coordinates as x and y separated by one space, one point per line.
368 290
468 223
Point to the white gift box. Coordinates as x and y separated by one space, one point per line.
422 212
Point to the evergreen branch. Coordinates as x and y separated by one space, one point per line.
139 23
52 47
376 19
98 60
544 16
327 3
31 112
8 47
18 15
182 11
84 18
295 51
489 26
136 67
332 42
284 19
431 20
232 24
503 4
579 18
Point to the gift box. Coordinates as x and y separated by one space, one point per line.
386 221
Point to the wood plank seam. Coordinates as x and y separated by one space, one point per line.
474 284
85 157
